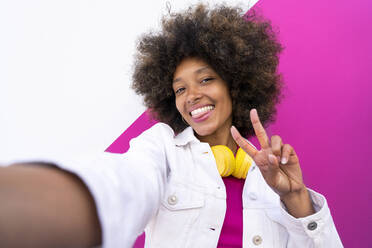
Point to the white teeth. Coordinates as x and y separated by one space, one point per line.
201 110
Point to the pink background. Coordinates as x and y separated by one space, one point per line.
326 112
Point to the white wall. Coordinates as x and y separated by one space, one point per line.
65 71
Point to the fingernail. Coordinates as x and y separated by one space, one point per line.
271 159
235 129
284 160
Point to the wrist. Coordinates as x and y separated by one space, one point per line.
298 203
295 195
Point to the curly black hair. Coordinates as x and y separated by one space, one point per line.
242 48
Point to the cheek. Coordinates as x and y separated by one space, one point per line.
228 109
227 102
179 107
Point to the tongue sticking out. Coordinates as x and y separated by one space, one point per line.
201 114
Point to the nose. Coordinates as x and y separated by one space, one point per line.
194 95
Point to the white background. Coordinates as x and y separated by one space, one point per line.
65 71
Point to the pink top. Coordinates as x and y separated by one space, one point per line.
232 229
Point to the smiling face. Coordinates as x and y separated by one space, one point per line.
202 97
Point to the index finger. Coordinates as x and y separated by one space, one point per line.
259 129
248 148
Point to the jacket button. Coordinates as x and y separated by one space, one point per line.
312 226
257 240
172 200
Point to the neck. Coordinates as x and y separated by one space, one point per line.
220 137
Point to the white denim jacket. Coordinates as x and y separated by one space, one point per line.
169 185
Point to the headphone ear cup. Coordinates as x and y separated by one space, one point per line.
224 159
242 164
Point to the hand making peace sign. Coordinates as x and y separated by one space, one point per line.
278 163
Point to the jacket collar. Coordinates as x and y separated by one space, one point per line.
187 135
184 137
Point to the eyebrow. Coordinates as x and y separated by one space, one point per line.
198 71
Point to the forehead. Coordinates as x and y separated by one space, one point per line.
190 66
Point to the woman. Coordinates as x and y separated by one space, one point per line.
206 75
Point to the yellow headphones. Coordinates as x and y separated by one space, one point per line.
228 165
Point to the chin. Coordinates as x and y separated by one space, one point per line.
204 131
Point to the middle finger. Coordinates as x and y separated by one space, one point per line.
276 145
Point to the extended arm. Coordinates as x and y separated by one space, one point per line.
42 206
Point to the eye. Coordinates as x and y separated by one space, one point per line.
206 80
178 91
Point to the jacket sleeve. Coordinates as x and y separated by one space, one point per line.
127 188
314 231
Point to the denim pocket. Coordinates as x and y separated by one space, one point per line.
177 217
182 196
